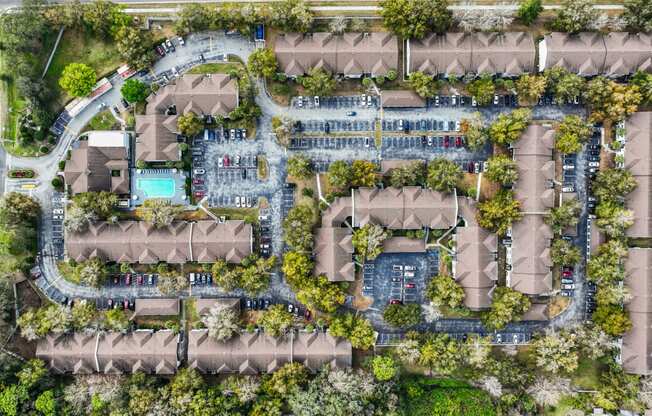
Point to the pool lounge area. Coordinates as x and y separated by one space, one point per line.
158 184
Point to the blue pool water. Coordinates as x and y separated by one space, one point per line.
156 187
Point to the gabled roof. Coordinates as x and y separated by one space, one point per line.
581 53
407 208
637 343
259 353
445 54
640 202
179 242
536 169
404 245
110 353
476 269
337 212
156 307
156 138
402 99
350 54
90 169
638 160
627 53
531 265
334 254
202 94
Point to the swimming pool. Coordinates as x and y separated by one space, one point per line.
156 187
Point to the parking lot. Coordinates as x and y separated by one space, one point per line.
330 126
57 225
335 102
399 277
304 143
425 124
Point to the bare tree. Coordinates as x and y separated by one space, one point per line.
471 19
338 25
548 391
222 323
492 386
431 312
357 25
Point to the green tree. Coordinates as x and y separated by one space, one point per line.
297 267
572 132
318 293
83 313
528 11
440 354
17 208
356 329
564 216
291 16
135 47
613 219
384 367
368 241
92 272
46 403
575 16
443 175
416 18
423 84
567 86
105 18
160 212
613 319
262 63
134 90
613 184
638 15
609 100
643 81
190 124
363 173
411 174
286 379
507 306
530 87
300 167
483 89
318 82
502 169
340 174
276 320
606 266
297 227
474 131
443 290
498 213
508 127
402 316
563 253
557 352
78 79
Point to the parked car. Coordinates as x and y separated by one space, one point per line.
181 41
199 171
395 302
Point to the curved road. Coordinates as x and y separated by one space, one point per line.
209 44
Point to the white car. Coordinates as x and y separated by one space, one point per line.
181 41
454 100
595 164
248 202
400 124
316 101
299 101
199 171
457 126
474 103
368 100
237 202
436 101
496 99
57 211
568 167
570 286
568 189
220 162
366 142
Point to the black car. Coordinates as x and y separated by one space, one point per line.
124 102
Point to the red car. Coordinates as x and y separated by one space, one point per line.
446 141
197 181
140 279
567 273
226 160
409 285
125 304
307 315
458 141
199 194
394 302
127 279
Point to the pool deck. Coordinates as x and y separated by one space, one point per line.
179 197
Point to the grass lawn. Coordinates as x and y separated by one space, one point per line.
237 213
262 168
216 68
565 404
67 272
193 320
103 121
80 47
587 376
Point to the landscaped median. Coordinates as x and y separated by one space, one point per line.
21 173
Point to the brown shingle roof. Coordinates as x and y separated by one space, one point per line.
110 353
637 343
212 94
627 53
402 99
407 208
333 254
510 53
351 54
89 169
258 353
533 152
404 245
476 269
180 242
156 138
337 212
638 160
156 307
531 262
